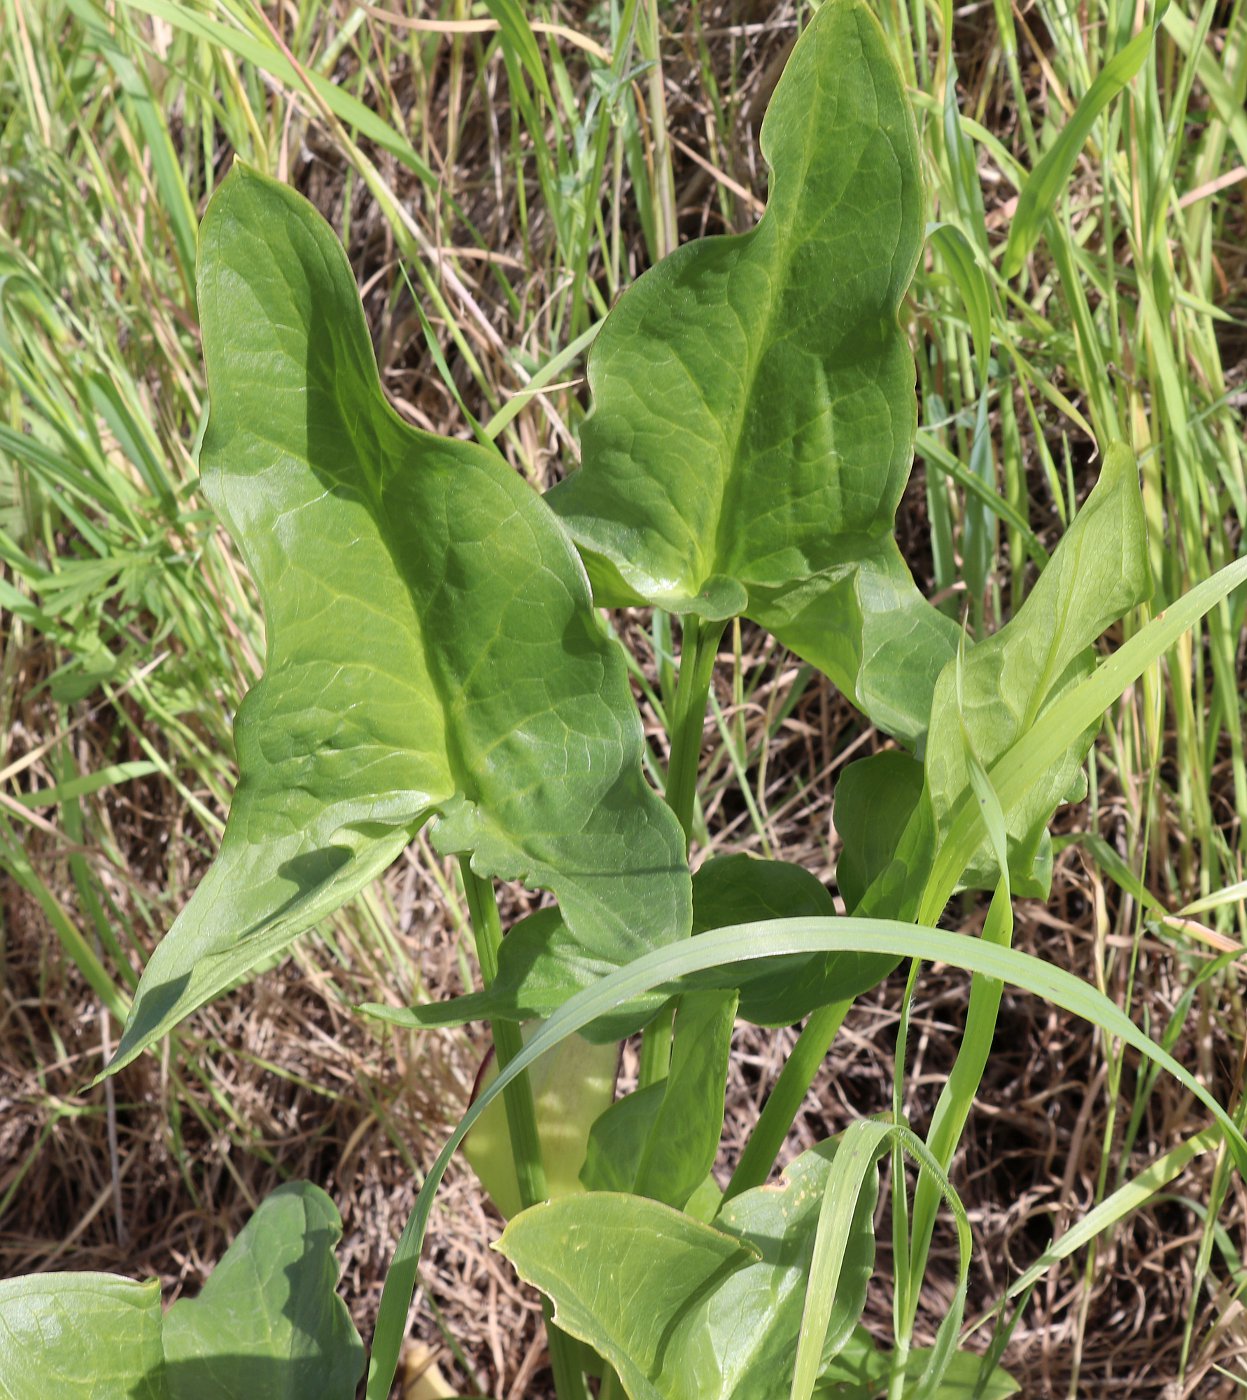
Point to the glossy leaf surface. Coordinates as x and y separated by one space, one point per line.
723 1302
753 396
268 1322
432 647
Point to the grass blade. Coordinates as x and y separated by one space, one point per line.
1051 176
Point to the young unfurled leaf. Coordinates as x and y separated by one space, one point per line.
723 1302
753 396
267 1322
432 646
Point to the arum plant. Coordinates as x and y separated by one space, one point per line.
436 657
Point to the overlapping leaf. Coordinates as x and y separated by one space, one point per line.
571 1088
268 1322
432 647
661 1140
753 396
723 1302
541 965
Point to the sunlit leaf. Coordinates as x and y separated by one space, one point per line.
268 1322
80 1335
432 648
661 1141
723 1302
753 396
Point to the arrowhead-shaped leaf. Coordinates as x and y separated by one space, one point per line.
269 1320
432 646
723 1302
267 1323
753 396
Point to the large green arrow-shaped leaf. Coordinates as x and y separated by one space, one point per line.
267 1323
432 645
753 396
269 1320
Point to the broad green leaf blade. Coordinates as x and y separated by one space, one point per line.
733 1331
655 1252
1098 572
572 1087
80 1337
661 1142
617 1140
432 647
269 1321
868 628
753 396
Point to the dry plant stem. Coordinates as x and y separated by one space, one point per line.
698 649
521 1116
763 1148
